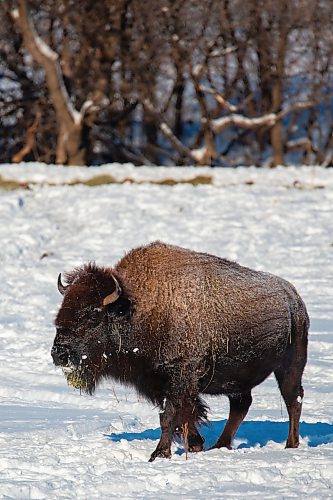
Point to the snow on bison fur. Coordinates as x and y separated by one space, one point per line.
175 324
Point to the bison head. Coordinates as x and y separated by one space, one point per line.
93 311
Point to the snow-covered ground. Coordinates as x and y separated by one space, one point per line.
55 443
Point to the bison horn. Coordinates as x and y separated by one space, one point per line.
62 288
112 297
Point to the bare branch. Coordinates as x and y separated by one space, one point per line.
268 120
167 132
179 146
220 124
219 98
30 141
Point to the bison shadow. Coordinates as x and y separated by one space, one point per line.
250 434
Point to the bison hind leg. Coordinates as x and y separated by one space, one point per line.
292 393
239 406
289 378
290 385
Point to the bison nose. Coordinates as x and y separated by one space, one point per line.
60 356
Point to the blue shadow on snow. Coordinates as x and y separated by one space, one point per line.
252 433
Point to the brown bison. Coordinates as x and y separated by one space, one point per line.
175 324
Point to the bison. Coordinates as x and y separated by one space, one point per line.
175 324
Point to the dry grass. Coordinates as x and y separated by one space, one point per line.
104 180
101 180
184 439
11 185
195 181
98 180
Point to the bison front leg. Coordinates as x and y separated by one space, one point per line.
192 412
173 418
167 419
191 434
182 408
195 440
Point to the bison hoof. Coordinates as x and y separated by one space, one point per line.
160 453
220 445
292 444
195 448
195 444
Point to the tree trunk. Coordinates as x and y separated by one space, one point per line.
179 92
277 129
151 133
69 121
208 133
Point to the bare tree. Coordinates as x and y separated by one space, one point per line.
167 81
69 120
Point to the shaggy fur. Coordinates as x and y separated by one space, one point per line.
186 323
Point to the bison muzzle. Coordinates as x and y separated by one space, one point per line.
175 324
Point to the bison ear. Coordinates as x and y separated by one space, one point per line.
112 297
62 288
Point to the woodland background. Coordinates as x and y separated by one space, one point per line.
185 82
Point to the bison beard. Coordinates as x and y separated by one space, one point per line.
174 324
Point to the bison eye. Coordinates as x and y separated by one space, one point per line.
122 307
95 313
91 314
